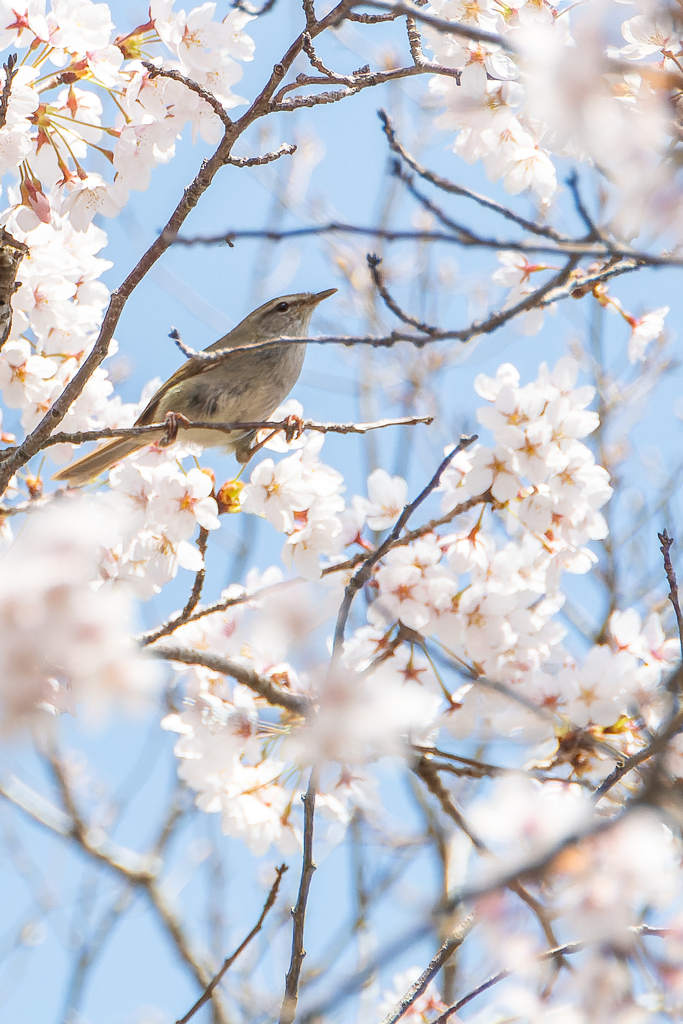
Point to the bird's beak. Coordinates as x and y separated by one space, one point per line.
319 296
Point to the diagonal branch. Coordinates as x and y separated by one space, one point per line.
460 190
373 264
358 581
229 961
443 954
264 687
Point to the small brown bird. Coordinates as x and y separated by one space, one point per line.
243 389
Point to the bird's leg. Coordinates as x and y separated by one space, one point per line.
173 420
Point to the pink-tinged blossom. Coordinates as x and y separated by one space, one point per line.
645 329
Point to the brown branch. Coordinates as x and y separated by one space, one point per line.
286 149
229 961
291 996
415 42
92 844
412 535
196 593
10 68
377 280
365 80
191 196
443 954
11 254
358 581
81 436
264 687
460 190
427 771
216 105
549 954
218 606
666 541
455 28
466 238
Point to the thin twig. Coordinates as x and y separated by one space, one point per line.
229 961
444 953
549 954
469 239
10 68
573 185
264 687
455 28
373 264
358 581
666 541
460 190
291 996
196 592
172 624
81 436
286 149
216 105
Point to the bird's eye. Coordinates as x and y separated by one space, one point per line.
282 307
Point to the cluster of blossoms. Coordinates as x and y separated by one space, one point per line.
65 638
555 94
47 137
157 506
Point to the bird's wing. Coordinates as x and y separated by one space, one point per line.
189 369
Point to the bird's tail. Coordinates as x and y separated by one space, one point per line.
90 466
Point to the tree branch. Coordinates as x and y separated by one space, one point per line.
444 953
358 581
264 687
291 997
229 961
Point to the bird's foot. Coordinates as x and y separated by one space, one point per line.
173 420
294 428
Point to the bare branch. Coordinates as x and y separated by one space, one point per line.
286 149
264 687
358 581
573 185
10 68
196 593
216 105
218 606
444 953
229 961
373 264
460 190
455 28
666 541
291 997
415 42
549 954
11 254
464 237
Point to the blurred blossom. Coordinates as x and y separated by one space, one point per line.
65 638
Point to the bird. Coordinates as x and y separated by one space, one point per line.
243 389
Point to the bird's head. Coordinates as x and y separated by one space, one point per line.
286 315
